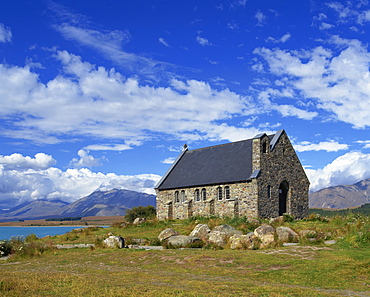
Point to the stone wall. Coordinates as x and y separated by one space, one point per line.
242 201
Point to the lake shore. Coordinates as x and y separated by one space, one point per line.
85 221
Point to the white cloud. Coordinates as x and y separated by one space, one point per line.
325 26
5 33
329 146
344 170
282 39
169 160
260 17
365 142
108 147
203 41
164 42
18 162
25 179
339 83
98 102
85 160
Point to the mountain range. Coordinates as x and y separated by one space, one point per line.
99 203
343 196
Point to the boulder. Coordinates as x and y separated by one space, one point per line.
266 233
167 233
138 221
218 238
239 242
308 233
201 231
277 220
229 230
285 234
182 240
114 242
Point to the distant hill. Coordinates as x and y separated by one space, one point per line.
363 209
108 203
99 203
344 196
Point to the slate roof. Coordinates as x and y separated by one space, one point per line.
225 163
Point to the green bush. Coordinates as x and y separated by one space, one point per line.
147 212
5 248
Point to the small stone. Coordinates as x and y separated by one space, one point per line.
114 242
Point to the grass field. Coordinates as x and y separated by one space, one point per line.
342 269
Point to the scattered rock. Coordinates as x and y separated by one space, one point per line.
277 220
229 230
182 240
290 243
167 233
266 233
218 238
138 221
329 242
308 233
285 234
238 241
114 242
201 231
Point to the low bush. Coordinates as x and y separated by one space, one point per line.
5 248
147 212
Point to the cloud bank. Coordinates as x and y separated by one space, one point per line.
25 178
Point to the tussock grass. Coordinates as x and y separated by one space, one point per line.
310 269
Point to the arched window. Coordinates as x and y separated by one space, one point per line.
177 197
227 192
204 194
196 195
182 196
219 193
264 147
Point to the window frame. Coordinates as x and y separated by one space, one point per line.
204 194
227 192
219 194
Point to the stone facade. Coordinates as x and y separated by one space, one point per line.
279 185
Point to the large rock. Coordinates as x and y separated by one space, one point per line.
239 242
220 234
266 233
182 240
114 242
201 231
167 233
218 238
285 234
229 230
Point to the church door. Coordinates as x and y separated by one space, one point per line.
283 195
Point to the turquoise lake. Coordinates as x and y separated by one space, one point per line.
9 232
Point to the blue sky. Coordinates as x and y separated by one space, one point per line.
103 94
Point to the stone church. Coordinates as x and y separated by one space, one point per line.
259 177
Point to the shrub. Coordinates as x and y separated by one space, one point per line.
5 248
147 212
